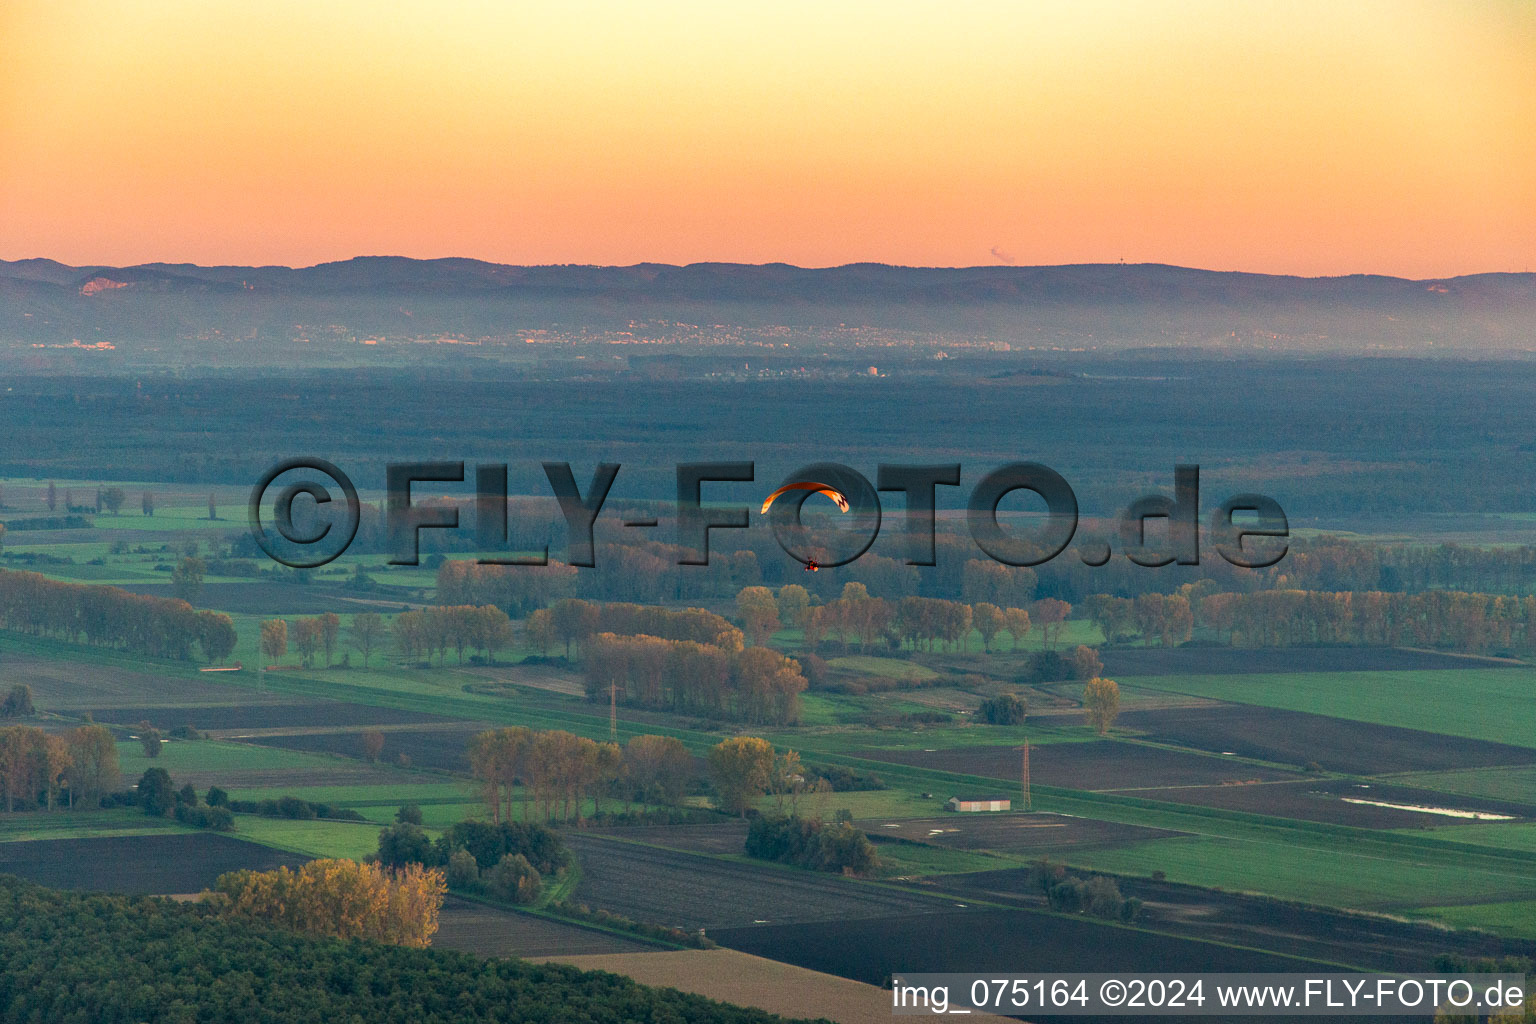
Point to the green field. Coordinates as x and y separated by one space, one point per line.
1485 704
1336 877
123 821
910 860
1517 784
1501 835
319 838
1516 918
891 668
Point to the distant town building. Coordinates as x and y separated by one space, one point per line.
978 803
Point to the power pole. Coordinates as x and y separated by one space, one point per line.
613 712
1024 778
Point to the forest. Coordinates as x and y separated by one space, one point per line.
72 958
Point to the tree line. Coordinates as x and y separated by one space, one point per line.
560 771
558 768
920 623
111 617
340 899
573 621
752 684
41 770
1471 623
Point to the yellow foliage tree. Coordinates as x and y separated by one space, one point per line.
1101 703
338 898
740 768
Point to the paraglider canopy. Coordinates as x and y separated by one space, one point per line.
808 485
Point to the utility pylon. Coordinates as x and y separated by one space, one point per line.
1024 779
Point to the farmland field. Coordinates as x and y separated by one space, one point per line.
1032 834
1105 764
168 863
1479 704
85 683
1337 744
1516 783
1340 801
1370 941
442 748
242 766
986 940
690 892
1332 877
1204 661
250 716
492 931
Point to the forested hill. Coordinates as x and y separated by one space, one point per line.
73 958
177 313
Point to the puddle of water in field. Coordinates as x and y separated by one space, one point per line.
1448 812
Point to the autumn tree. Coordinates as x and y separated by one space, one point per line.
274 639
187 578
786 781
657 768
988 620
1016 622
409 632
53 761
573 620
1101 703
112 499
19 745
308 640
739 768
93 769
539 630
793 601
1049 614
329 625
338 898
759 612
1086 663
216 635
373 744
497 758
488 628
367 633
767 686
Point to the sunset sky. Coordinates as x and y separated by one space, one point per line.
1299 137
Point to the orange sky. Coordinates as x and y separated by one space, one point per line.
1298 137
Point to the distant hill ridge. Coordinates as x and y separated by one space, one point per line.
181 314
735 282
